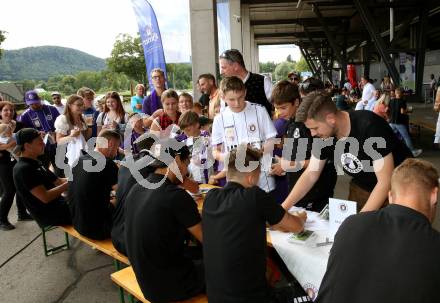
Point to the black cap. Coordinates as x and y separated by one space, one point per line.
310 85
26 135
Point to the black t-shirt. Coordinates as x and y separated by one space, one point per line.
28 174
389 255
234 242
366 127
204 100
5 156
395 107
125 183
156 222
89 197
302 145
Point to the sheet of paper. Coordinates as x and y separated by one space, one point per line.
314 222
339 210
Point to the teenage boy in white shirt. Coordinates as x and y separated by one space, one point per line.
243 122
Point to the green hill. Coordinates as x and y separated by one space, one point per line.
40 63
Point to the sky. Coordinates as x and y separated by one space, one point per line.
92 26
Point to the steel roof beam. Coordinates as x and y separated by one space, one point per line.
370 24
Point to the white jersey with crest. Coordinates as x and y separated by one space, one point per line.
253 126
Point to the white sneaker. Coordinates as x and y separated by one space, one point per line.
416 152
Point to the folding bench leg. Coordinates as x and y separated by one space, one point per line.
51 251
121 290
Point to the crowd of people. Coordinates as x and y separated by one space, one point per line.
266 147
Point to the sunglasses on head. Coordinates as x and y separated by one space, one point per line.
310 85
230 55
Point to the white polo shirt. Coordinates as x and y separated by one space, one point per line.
368 92
252 125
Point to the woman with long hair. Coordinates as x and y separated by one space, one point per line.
71 124
8 116
72 129
114 116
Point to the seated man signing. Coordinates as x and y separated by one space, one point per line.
38 188
391 254
158 216
234 229
94 177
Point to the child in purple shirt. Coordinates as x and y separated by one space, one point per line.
281 183
198 143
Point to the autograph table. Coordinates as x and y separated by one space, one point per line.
307 262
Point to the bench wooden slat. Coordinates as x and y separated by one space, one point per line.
126 279
105 246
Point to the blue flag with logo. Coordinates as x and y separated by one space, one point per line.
150 36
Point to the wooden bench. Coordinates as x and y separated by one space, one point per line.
126 279
105 246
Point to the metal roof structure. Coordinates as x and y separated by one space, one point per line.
334 33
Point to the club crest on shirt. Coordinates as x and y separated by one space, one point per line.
343 207
252 128
351 163
311 290
36 123
296 133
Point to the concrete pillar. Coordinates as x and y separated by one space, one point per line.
246 33
255 65
256 58
235 20
204 42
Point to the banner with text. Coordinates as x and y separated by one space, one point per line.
150 37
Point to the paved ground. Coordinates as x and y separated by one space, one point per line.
82 274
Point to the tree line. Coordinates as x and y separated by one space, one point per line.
126 67
279 71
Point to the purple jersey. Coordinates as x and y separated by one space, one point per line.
151 103
41 120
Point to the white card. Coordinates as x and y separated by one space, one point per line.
339 210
